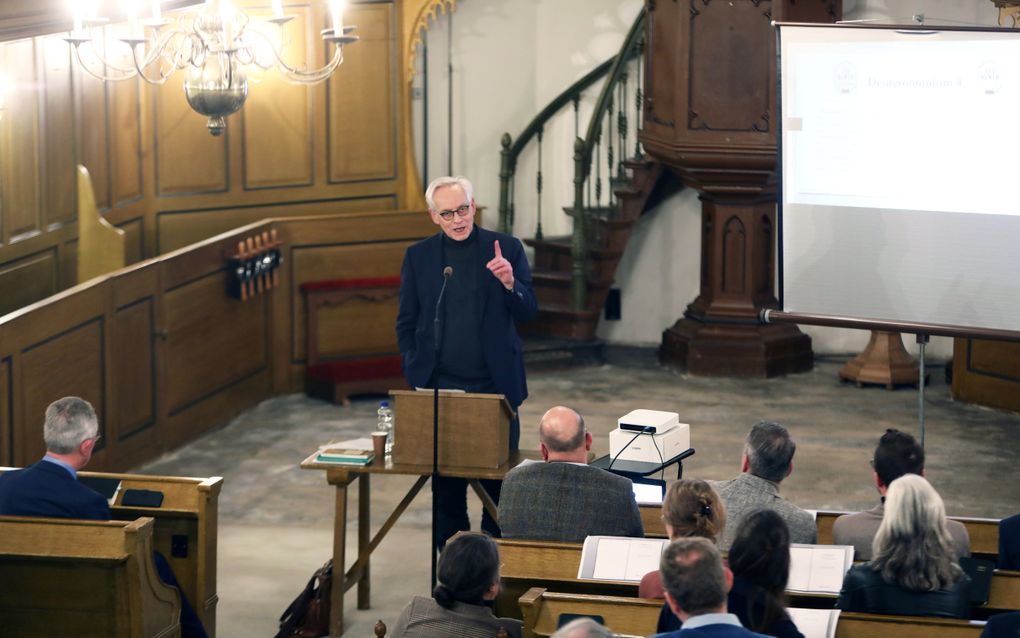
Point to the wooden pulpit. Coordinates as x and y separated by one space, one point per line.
474 429
710 117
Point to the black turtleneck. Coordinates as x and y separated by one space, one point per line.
460 353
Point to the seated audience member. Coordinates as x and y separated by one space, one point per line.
565 499
914 568
1009 542
760 561
1003 626
583 628
461 604
696 585
50 488
690 508
767 460
898 453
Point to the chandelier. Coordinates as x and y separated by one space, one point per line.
215 44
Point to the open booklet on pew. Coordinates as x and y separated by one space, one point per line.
619 557
815 623
819 568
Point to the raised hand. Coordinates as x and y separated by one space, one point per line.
501 268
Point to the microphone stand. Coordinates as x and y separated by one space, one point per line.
436 333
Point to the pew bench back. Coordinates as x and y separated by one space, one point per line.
65 577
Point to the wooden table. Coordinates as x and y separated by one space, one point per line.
341 476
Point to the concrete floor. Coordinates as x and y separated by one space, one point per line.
276 521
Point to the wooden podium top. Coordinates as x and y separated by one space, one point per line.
388 467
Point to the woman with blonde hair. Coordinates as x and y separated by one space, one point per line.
691 508
914 570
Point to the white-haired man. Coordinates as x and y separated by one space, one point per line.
488 289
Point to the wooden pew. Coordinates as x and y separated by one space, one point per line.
638 616
983 532
64 577
554 566
184 531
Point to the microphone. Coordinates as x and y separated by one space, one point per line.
447 273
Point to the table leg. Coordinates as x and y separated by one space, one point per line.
487 502
364 521
336 594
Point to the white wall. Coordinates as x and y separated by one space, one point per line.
510 58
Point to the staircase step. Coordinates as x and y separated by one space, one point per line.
544 353
564 279
562 321
561 245
638 163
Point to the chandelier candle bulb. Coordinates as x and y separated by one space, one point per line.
277 9
337 9
157 13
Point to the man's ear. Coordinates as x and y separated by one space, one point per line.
675 608
789 470
728 573
745 465
544 450
587 441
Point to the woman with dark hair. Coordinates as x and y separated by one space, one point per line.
760 561
914 570
690 508
461 604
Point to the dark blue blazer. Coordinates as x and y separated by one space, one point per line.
421 278
712 631
48 490
1003 626
1009 542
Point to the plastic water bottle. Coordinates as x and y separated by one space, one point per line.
385 414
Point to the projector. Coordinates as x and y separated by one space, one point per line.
643 420
649 436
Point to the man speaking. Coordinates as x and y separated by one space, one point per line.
488 288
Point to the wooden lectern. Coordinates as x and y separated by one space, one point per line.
474 429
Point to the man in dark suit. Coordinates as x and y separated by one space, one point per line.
696 584
564 498
488 288
1009 542
50 488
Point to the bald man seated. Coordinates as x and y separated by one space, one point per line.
565 499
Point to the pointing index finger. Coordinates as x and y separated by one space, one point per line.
499 252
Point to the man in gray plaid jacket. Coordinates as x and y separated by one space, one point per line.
565 499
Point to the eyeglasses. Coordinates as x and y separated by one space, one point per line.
462 211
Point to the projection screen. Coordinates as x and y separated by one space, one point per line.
899 160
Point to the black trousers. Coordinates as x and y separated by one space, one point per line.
451 493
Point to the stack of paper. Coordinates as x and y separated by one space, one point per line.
815 623
344 456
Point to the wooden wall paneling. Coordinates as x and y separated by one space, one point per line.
276 121
28 279
134 239
62 352
20 124
125 142
132 365
309 243
6 402
188 159
176 229
93 130
347 261
58 135
987 373
215 359
362 110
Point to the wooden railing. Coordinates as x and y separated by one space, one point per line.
589 188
